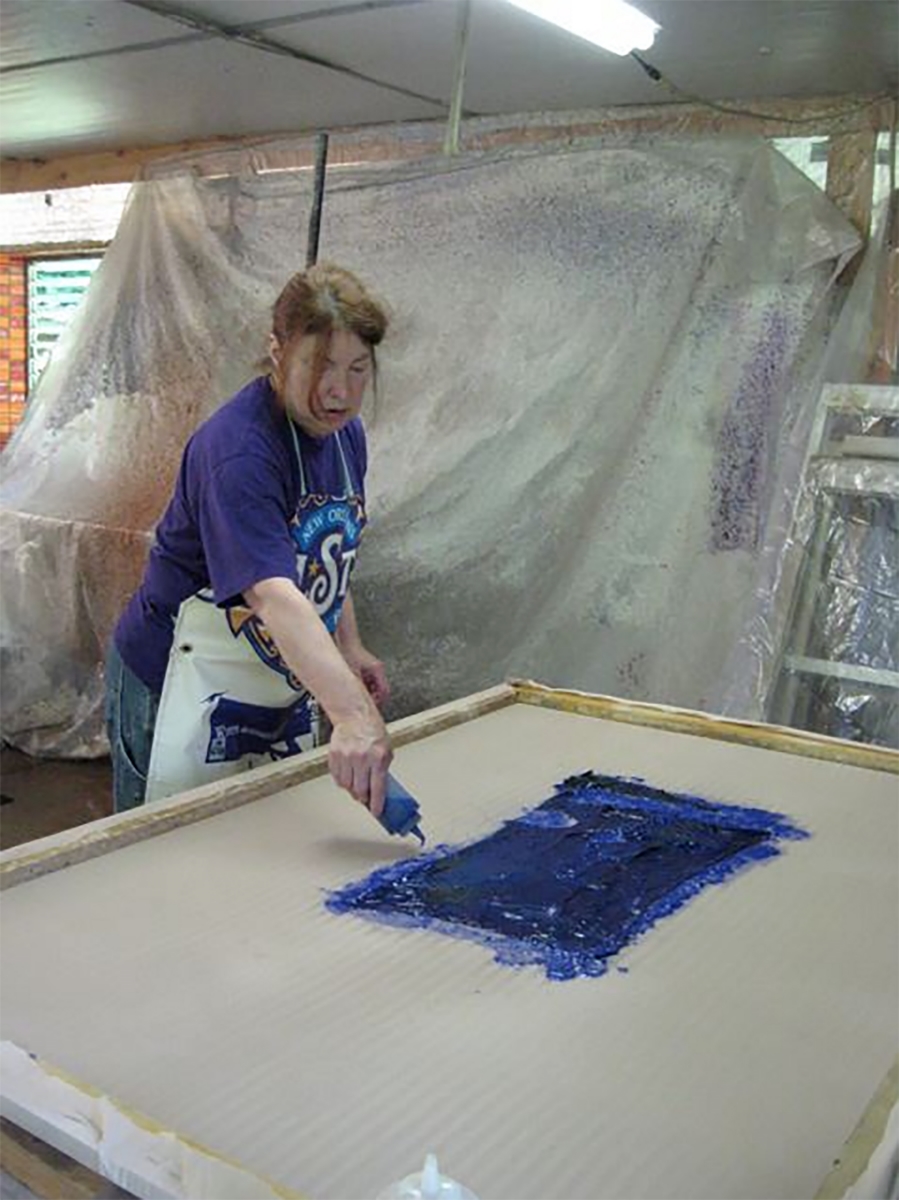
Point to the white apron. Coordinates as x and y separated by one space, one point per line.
229 701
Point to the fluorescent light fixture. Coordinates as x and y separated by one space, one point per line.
612 24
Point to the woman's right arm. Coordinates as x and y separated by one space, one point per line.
359 753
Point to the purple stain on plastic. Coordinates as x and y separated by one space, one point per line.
567 884
743 443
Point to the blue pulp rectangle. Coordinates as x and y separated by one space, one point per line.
567 884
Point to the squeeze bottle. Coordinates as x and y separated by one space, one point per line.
428 1185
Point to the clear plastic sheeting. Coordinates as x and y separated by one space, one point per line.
167 327
63 583
839 673
845 427
599 362
856 617
861 712
838 669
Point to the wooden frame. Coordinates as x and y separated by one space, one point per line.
784 116
33 859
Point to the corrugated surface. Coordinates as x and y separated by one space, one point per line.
198 978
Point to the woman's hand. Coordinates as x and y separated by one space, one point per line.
365 666
359 755
360 752
371 671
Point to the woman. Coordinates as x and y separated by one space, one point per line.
243 627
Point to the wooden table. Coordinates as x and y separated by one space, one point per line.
45 1172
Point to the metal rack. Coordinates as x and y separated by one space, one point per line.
838 668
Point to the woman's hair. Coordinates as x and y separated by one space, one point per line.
320 300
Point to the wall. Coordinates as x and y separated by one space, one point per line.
13 343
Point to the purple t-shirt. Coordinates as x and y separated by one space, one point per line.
227 525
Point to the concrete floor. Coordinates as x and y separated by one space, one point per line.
40 796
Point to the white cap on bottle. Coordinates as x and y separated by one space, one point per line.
428 1185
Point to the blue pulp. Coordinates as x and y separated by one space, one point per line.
567 884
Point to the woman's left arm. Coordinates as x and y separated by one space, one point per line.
360 661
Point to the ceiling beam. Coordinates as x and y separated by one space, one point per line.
788 118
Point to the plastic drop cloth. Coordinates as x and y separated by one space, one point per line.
820 648
597 355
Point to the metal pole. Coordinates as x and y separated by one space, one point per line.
451 141
315 217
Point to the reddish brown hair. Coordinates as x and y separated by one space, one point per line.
324 298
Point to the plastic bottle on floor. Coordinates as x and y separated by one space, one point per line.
429 1184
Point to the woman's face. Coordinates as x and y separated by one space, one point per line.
337 397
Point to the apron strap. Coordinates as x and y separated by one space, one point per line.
347 478
304 491
349 486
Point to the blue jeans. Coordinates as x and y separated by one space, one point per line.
131 709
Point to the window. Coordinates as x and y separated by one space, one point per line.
56 239
882 172
56 286
809 154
